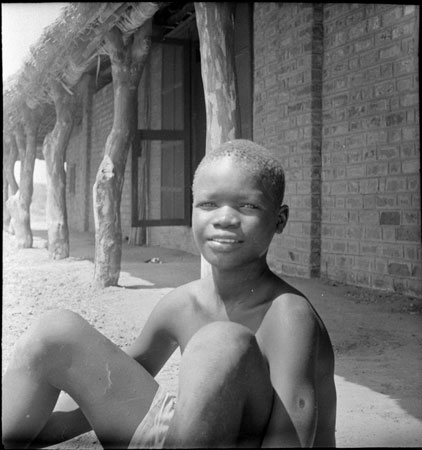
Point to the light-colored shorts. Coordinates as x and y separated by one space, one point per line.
152 431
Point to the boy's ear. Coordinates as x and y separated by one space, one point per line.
283 215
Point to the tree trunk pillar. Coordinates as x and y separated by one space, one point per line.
54 151
215 23
10 186
6 214
19 204
127 63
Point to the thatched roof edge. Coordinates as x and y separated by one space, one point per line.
67 48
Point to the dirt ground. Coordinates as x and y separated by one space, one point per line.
377 336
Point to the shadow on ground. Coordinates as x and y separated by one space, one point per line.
174 267
376 337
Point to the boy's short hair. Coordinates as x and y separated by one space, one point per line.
254 158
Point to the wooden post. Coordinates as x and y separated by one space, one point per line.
19 204
20 140
10 186
127 63
6 214
54 151
9 163
215 23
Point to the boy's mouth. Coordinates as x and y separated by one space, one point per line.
225 240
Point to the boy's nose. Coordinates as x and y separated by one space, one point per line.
226 217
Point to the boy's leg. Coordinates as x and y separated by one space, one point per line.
63 352
225 394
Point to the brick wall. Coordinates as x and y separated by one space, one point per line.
287 104
370 153
336 96
75 190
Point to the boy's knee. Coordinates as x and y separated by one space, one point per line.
52 331
223 338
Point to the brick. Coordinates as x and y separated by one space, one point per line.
380 282
355 202
364 44
368 186
395 135
404 66
413 184
408 233
364 263
395 119
392 15
369 154
399 269
353 247
396 184
376 137
388 233
387 152
380 266
384 89
409 9
372 233
340 202
390 52
411 217
376 169
392 251
368 249
339 247
363 279
339 216
407 100
399 285
414 287
386 201
369 202
410 252
367 217
345 262
411 166
405 84
386 71
394 167
390 218
417 271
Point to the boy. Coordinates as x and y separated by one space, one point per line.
257 365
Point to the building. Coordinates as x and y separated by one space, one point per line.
332 88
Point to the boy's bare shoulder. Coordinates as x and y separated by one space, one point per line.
290 316
291 308
290 305
179 299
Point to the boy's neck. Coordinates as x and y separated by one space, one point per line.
240 285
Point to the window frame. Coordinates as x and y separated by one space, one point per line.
167 135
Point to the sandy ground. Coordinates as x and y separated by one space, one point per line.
377 336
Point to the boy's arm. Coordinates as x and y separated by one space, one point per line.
156 342
291 345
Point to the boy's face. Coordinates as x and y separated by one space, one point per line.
233 219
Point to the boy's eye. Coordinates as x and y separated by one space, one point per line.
206 205
249 206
